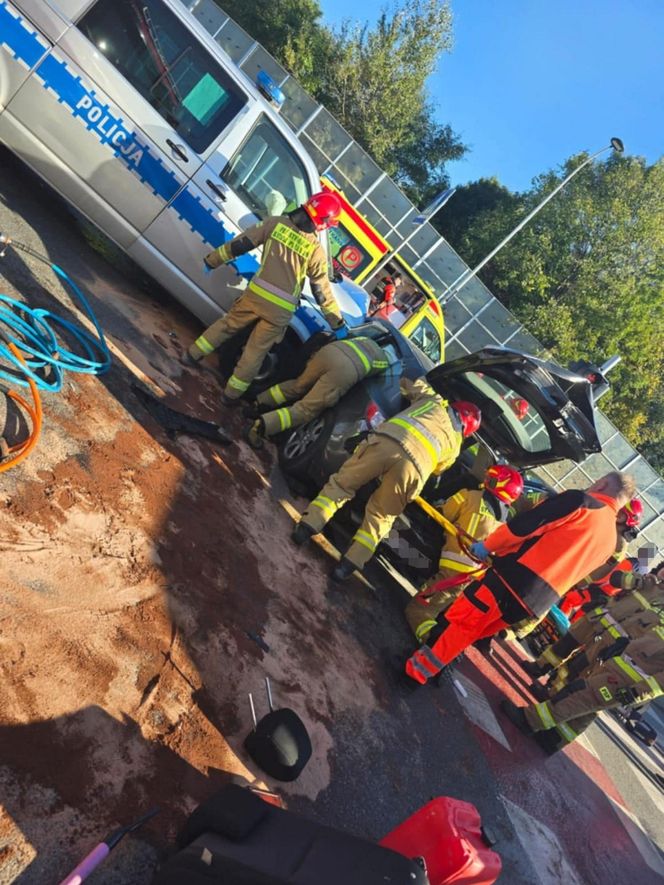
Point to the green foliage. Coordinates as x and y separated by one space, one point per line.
373 80
586 276
458 222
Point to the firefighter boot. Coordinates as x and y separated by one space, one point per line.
255 434
302 533
343 570
539 692
533 669
516 716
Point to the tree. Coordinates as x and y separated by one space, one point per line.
290 30
458 224
586 276
375 85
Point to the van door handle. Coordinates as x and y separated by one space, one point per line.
177 149
216 189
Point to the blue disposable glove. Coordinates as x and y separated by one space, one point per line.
206 268
479 551
341 332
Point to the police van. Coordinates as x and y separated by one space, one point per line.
132 112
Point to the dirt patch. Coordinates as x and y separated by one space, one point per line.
147 584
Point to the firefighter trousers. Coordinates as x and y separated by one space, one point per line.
600 690
378 457
484 608
326 377
264 335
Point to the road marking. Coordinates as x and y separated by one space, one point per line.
478 709
541 845
645 845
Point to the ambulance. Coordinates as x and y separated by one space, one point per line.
357 249
133 113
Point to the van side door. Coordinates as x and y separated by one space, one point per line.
123 111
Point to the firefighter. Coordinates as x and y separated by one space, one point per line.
291 252
402 452
330 373
622 618
537 556
476 512
629 678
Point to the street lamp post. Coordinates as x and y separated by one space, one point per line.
458 284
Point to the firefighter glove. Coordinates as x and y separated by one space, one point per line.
479 551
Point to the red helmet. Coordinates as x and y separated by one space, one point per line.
520 408
469 415
505 482
323 209
632 511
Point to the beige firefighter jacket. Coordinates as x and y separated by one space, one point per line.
469 511
643 660
427 431
289 256
642 593
365 354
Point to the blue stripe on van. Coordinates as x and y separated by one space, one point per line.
70 91
24 43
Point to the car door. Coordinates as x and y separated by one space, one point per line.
499 381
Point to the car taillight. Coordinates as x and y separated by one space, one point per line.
435 307
373 416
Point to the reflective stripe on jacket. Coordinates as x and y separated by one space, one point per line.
425 430
472 511
366 355
290 255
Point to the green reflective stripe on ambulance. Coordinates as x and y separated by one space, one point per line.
545 715
353 346
365 539
237 383
203 344
275 299
293 240
428 445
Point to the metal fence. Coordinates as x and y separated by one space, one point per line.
473 319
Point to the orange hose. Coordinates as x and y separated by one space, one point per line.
22 450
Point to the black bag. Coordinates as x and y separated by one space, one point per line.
279 744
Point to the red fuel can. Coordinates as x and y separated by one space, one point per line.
448 834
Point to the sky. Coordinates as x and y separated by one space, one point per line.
529 83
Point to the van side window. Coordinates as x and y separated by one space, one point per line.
156 53
266 173
427 339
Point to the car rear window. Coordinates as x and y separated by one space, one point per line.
162 60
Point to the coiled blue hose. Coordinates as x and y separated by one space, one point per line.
33 332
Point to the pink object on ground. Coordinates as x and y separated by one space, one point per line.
87 865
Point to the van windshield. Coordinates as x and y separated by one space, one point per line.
267 173
156 53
